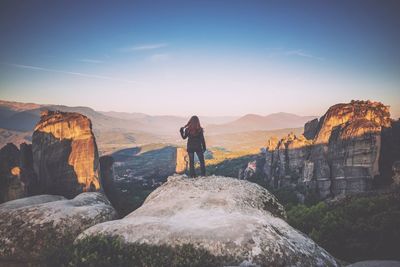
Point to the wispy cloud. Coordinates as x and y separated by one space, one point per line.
88 60
301 53
297 52
144 47
94 76
159 57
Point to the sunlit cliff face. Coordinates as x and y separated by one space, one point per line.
76 128
370 116
342 152
181 160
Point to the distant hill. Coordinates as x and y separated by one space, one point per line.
23 117
250 141
165 124
253 122
18 106
16 116
119 130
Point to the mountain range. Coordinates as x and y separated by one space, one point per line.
116 130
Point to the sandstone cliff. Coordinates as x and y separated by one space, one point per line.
182 160
65 154
218 221
339 154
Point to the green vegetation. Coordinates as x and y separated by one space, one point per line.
221 156
131 199
354 229
287 195
246 141
103 251
229 166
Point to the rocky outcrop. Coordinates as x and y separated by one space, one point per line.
107 180
286 160
41 228
311 129
65 154
390 153
11 185
28 176
396 172
218 221
249 171
339 155
17 178
181 160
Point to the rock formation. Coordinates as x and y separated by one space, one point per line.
390 153
33 228
28 176
339 154
249 171
286 160
11 185
181 160
230 221
17 178
396 172
65 154
311 129
107 180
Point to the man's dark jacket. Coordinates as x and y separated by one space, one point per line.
195 142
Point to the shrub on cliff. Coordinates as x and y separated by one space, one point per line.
358 228
102 251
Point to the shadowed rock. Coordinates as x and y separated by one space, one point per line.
230 220
311 129
17 178
11 186
396 172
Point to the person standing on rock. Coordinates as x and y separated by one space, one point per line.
195 144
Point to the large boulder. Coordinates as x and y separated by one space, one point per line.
65 154
41 228
209 221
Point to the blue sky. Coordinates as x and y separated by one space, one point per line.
201 57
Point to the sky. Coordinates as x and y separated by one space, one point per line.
211 58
